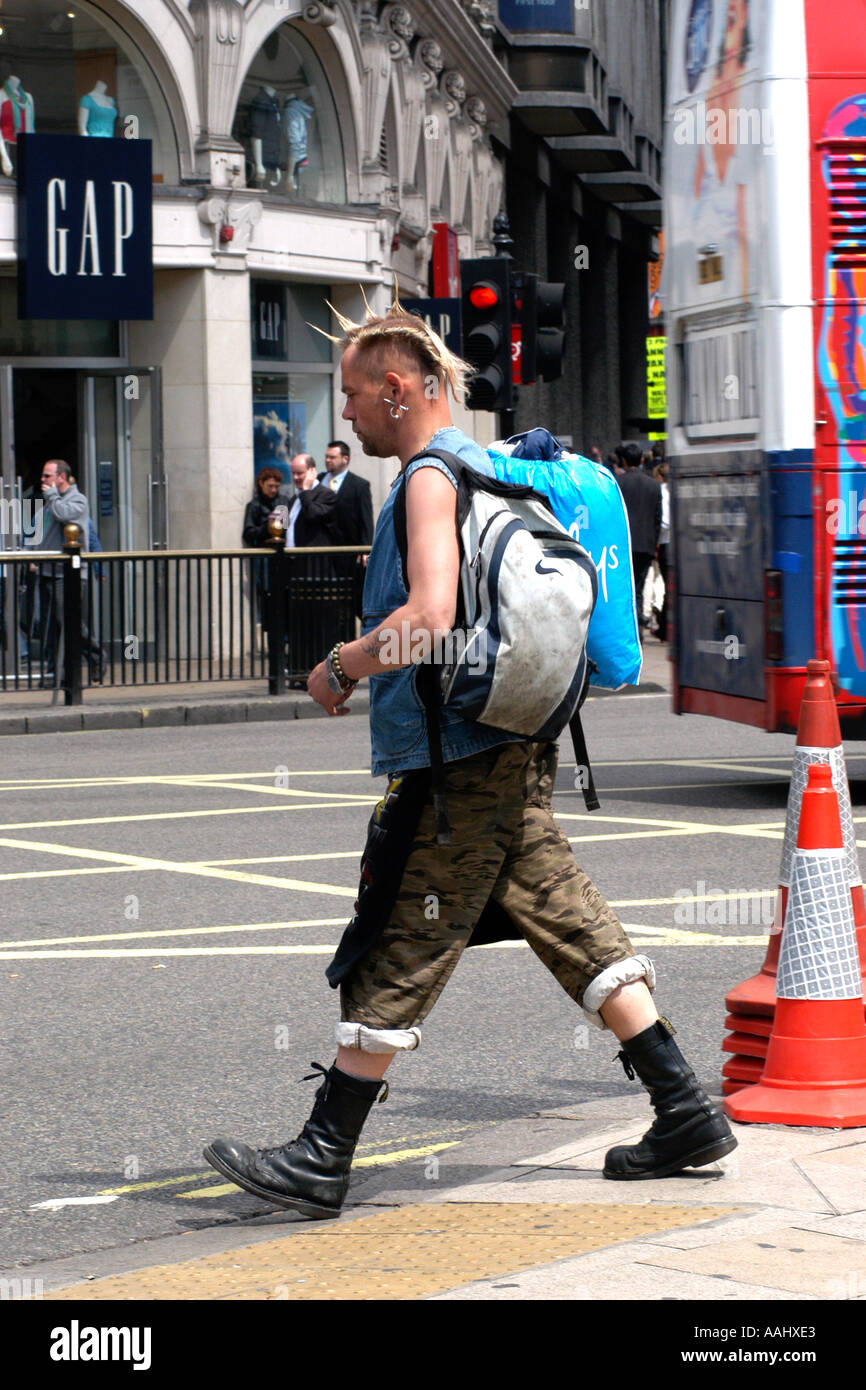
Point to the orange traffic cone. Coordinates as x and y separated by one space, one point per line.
815 1072
819 740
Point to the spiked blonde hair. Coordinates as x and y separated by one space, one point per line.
407 335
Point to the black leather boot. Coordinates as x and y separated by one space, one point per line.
310 1174
688 1130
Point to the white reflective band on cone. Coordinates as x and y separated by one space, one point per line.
623 973
818 958
803 758
377 1039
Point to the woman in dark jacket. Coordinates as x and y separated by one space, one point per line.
260 506
255 533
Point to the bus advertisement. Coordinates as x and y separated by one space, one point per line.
764 296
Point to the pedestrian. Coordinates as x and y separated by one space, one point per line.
63 503
256 532
353 514
661 477
260 507
506 853
643 499
312 507
314 613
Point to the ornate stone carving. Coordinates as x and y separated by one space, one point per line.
238 217
218 30
453 88
321 13
399 28
476 114
367 17
428 57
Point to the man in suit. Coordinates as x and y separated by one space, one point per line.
313 616
643 500
312 508
353 524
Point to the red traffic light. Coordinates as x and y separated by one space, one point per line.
484 296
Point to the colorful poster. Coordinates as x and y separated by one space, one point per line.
279 432
718 137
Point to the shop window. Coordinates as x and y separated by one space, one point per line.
52 337
66 70
292 374
287 123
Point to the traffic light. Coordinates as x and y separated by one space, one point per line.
486 312
542 321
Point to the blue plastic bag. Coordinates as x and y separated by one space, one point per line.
587 501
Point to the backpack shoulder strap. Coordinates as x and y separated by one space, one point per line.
456 466
426 676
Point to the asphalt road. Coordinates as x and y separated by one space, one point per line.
170 901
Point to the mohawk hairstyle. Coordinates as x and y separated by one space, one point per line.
407 335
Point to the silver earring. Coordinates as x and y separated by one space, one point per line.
394 412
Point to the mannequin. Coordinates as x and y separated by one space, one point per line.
17 117
265 127
97 112
297 113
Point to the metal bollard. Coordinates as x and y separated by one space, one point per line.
72 615
277 581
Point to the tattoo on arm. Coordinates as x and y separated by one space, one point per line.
370 646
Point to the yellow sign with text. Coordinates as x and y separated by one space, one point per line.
656 394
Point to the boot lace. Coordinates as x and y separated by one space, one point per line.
626 1064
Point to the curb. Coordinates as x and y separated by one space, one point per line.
245 710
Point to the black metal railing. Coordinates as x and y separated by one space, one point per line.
72 620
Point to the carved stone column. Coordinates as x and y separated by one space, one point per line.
218 35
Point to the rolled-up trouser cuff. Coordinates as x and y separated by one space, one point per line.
382 1040
622 973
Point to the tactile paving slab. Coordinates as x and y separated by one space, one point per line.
406 1253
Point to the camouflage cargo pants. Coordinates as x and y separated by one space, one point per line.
505 845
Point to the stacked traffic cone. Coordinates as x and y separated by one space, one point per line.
815 1072
751 1005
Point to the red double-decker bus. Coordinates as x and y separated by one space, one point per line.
764 294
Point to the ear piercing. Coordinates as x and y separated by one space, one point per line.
394 412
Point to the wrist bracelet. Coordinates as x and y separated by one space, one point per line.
346 683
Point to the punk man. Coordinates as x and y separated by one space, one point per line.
507 856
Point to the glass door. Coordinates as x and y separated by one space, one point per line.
121 426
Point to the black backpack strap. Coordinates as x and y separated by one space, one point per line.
425 676
578 739
427 686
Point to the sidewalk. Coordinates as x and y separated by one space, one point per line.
531 1218
220 702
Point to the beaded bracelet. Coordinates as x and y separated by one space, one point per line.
345 681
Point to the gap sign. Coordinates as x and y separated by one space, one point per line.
85 228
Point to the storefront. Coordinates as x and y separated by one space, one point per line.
67 387
300 154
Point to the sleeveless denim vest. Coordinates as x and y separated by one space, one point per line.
398 724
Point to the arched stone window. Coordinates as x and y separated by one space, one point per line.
67 69
287 122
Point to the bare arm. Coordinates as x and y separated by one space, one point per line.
434 568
